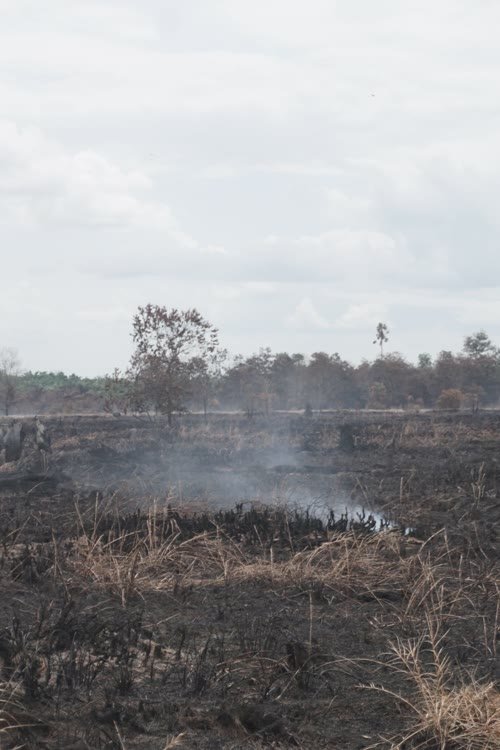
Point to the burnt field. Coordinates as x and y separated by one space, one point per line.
331 582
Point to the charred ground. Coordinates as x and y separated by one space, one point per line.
148 603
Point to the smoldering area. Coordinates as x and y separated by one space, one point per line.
194 466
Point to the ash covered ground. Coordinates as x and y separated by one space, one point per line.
223 584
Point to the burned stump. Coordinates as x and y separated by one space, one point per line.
12 441
346 438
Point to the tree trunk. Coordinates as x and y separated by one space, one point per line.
346 439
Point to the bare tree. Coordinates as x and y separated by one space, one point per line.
169 347
10 369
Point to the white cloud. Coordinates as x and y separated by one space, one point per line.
260 287
41 182
241 157
480 312
103 313
114 20
362 316
109 77
306 317
213 249
349 211
353 256
226 292
248 289
244 169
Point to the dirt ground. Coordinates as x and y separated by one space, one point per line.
179 587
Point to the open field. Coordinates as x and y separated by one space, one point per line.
189 587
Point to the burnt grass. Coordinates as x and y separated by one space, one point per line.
141 612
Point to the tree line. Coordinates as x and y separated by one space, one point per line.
178 365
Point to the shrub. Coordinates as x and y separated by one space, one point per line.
451 398
378 397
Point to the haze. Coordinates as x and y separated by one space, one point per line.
297 171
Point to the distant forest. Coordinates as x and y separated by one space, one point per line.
267 381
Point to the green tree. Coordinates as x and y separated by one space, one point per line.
169 347
118 392
283 374
448 371
247 383
205 376
10 370
479 345
424 361
319 379
381 337
378 398
481 366
394 372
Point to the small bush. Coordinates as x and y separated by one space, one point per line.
451 398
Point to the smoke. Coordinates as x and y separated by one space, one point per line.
211 466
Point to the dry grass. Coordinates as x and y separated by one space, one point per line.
450 712
14 715
348 563
215 618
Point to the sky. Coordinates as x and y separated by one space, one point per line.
297 171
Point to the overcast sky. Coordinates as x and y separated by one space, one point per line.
296 170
